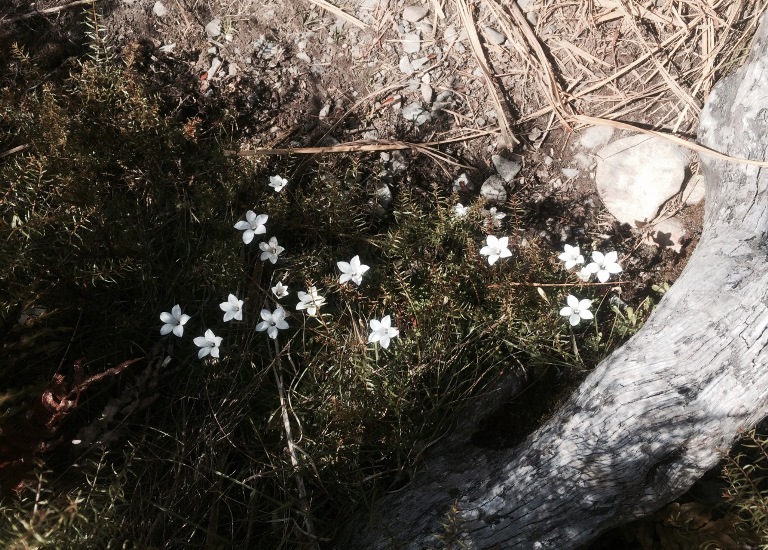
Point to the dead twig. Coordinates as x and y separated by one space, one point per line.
366 146
46 11
339 13
477 50
303 501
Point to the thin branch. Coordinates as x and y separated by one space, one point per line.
303 502
46 11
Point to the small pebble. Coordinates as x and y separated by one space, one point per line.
159 10
413 14
494 36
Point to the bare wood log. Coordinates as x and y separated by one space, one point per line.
653 416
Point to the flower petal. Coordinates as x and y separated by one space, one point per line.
184 318
200 341
574 319
248 236
242 225
178 330
603 276
165 329
572 301
262 326
166 317
586 314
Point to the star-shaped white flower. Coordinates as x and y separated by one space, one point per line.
310 300
232 308
272 321
495 249
382 331
280 290
584 274
352 271
270 251
459 211
208 344
576 310
277 183
174 321
571 256
604 265
252 225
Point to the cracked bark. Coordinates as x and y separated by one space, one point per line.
653 416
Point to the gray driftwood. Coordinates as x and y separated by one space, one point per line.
653 416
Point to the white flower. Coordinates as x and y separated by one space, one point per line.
270 251
571 256
584 273
382 331
576 310
352 271
208 344
272 321
254 225
310 301
459 211
277 183
280 290
496 248
232 308
174 321
604 265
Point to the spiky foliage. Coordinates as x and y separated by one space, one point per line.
745 472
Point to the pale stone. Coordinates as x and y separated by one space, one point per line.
695 190
462 183
494 36
159 10
595 137
213 29
416 113
570 173
637 174
506 168
667 233
411 43
413 14
493 190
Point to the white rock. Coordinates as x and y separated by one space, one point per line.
414 13
411 43
462 183
427 92
570 173
494 36
405 65
695 190
493 190
416 113
419 63
632 188
667 233
159 10
213 29
506 168
595 137
526 5
304 57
